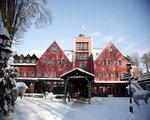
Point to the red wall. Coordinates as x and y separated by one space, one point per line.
28 69
54 66
100 67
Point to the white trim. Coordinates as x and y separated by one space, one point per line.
96 81
27 78
49 78
23 64
79 70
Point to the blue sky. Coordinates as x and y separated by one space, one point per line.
125 22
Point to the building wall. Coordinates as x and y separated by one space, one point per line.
53 63
112 69
83 57
26 71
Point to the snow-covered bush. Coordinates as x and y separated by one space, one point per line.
8 91
50 96
22 88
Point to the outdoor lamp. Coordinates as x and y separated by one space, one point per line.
129 78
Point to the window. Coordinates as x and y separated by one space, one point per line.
53 50
110 51
124 75
61 61
116 75
47 61
82 56
83 66
53 74
25 74
19 74
85 46
21 60
108 75
82 46
32 74
46 75
28 60
33 60
100 75
117 62
39 74
106 62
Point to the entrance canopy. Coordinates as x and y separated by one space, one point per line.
77 73
77 83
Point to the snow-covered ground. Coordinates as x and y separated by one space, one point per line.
109 108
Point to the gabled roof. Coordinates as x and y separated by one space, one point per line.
15 56
54 43
77 72
34 56
28 56
110 44
21 56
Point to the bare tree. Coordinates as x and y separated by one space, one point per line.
135 59
146 60
18 15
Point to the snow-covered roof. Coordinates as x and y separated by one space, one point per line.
96 53
97 81
69 54
38 53
79 70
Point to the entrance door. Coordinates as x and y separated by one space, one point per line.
110 91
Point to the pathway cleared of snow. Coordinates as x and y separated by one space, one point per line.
99 109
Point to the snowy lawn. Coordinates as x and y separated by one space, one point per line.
100 109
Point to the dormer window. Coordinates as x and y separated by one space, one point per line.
110 51
53 50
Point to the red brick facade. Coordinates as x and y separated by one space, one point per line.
110 65
83 53
53 63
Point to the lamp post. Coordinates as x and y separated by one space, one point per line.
129 79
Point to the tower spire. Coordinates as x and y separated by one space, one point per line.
82 29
